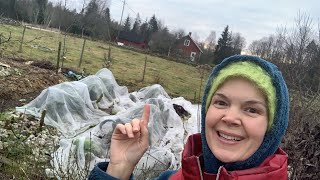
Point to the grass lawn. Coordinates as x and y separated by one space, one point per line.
178 79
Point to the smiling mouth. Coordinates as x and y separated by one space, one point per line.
228 137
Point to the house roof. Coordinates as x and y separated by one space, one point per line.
192 41
131 36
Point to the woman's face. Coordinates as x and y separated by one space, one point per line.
236 120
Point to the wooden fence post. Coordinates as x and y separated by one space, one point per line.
84 43
144 69
22 38
109 54
43 114
64 49
58 59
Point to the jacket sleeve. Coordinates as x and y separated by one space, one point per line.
165 175
99 172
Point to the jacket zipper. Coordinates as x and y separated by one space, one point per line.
199 166
218 174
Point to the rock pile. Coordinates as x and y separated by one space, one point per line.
19 132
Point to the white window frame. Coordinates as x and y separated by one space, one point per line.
186 42
193 56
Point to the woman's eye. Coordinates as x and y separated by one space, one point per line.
252 110
220 103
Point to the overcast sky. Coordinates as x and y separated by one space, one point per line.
253 19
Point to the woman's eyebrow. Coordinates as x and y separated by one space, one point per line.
256 102
220 94
246 102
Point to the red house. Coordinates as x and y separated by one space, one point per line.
187 48
132 39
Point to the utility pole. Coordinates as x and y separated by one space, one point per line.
124 2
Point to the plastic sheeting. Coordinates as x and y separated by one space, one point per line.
68 108
78 110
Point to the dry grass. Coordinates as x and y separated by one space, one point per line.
178 79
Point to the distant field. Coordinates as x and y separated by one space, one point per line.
178 79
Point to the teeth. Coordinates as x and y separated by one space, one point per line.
229 137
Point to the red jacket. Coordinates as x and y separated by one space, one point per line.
274 167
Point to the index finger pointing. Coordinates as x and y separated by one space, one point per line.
146 114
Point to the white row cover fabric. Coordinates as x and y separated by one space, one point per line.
68 108
87 111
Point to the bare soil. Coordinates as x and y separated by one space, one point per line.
23 80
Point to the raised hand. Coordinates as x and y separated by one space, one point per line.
128 144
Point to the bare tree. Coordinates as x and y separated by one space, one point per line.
278 47
238 42
179 33
297 54
162 41
210 41
195 36
301 36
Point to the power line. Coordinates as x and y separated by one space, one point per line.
131 9
127 5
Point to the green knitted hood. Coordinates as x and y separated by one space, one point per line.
269 80
253 73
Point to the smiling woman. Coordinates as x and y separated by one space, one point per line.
243 122
236 121
244 116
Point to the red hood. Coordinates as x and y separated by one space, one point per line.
274 167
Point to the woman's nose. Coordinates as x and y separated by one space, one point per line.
232 116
